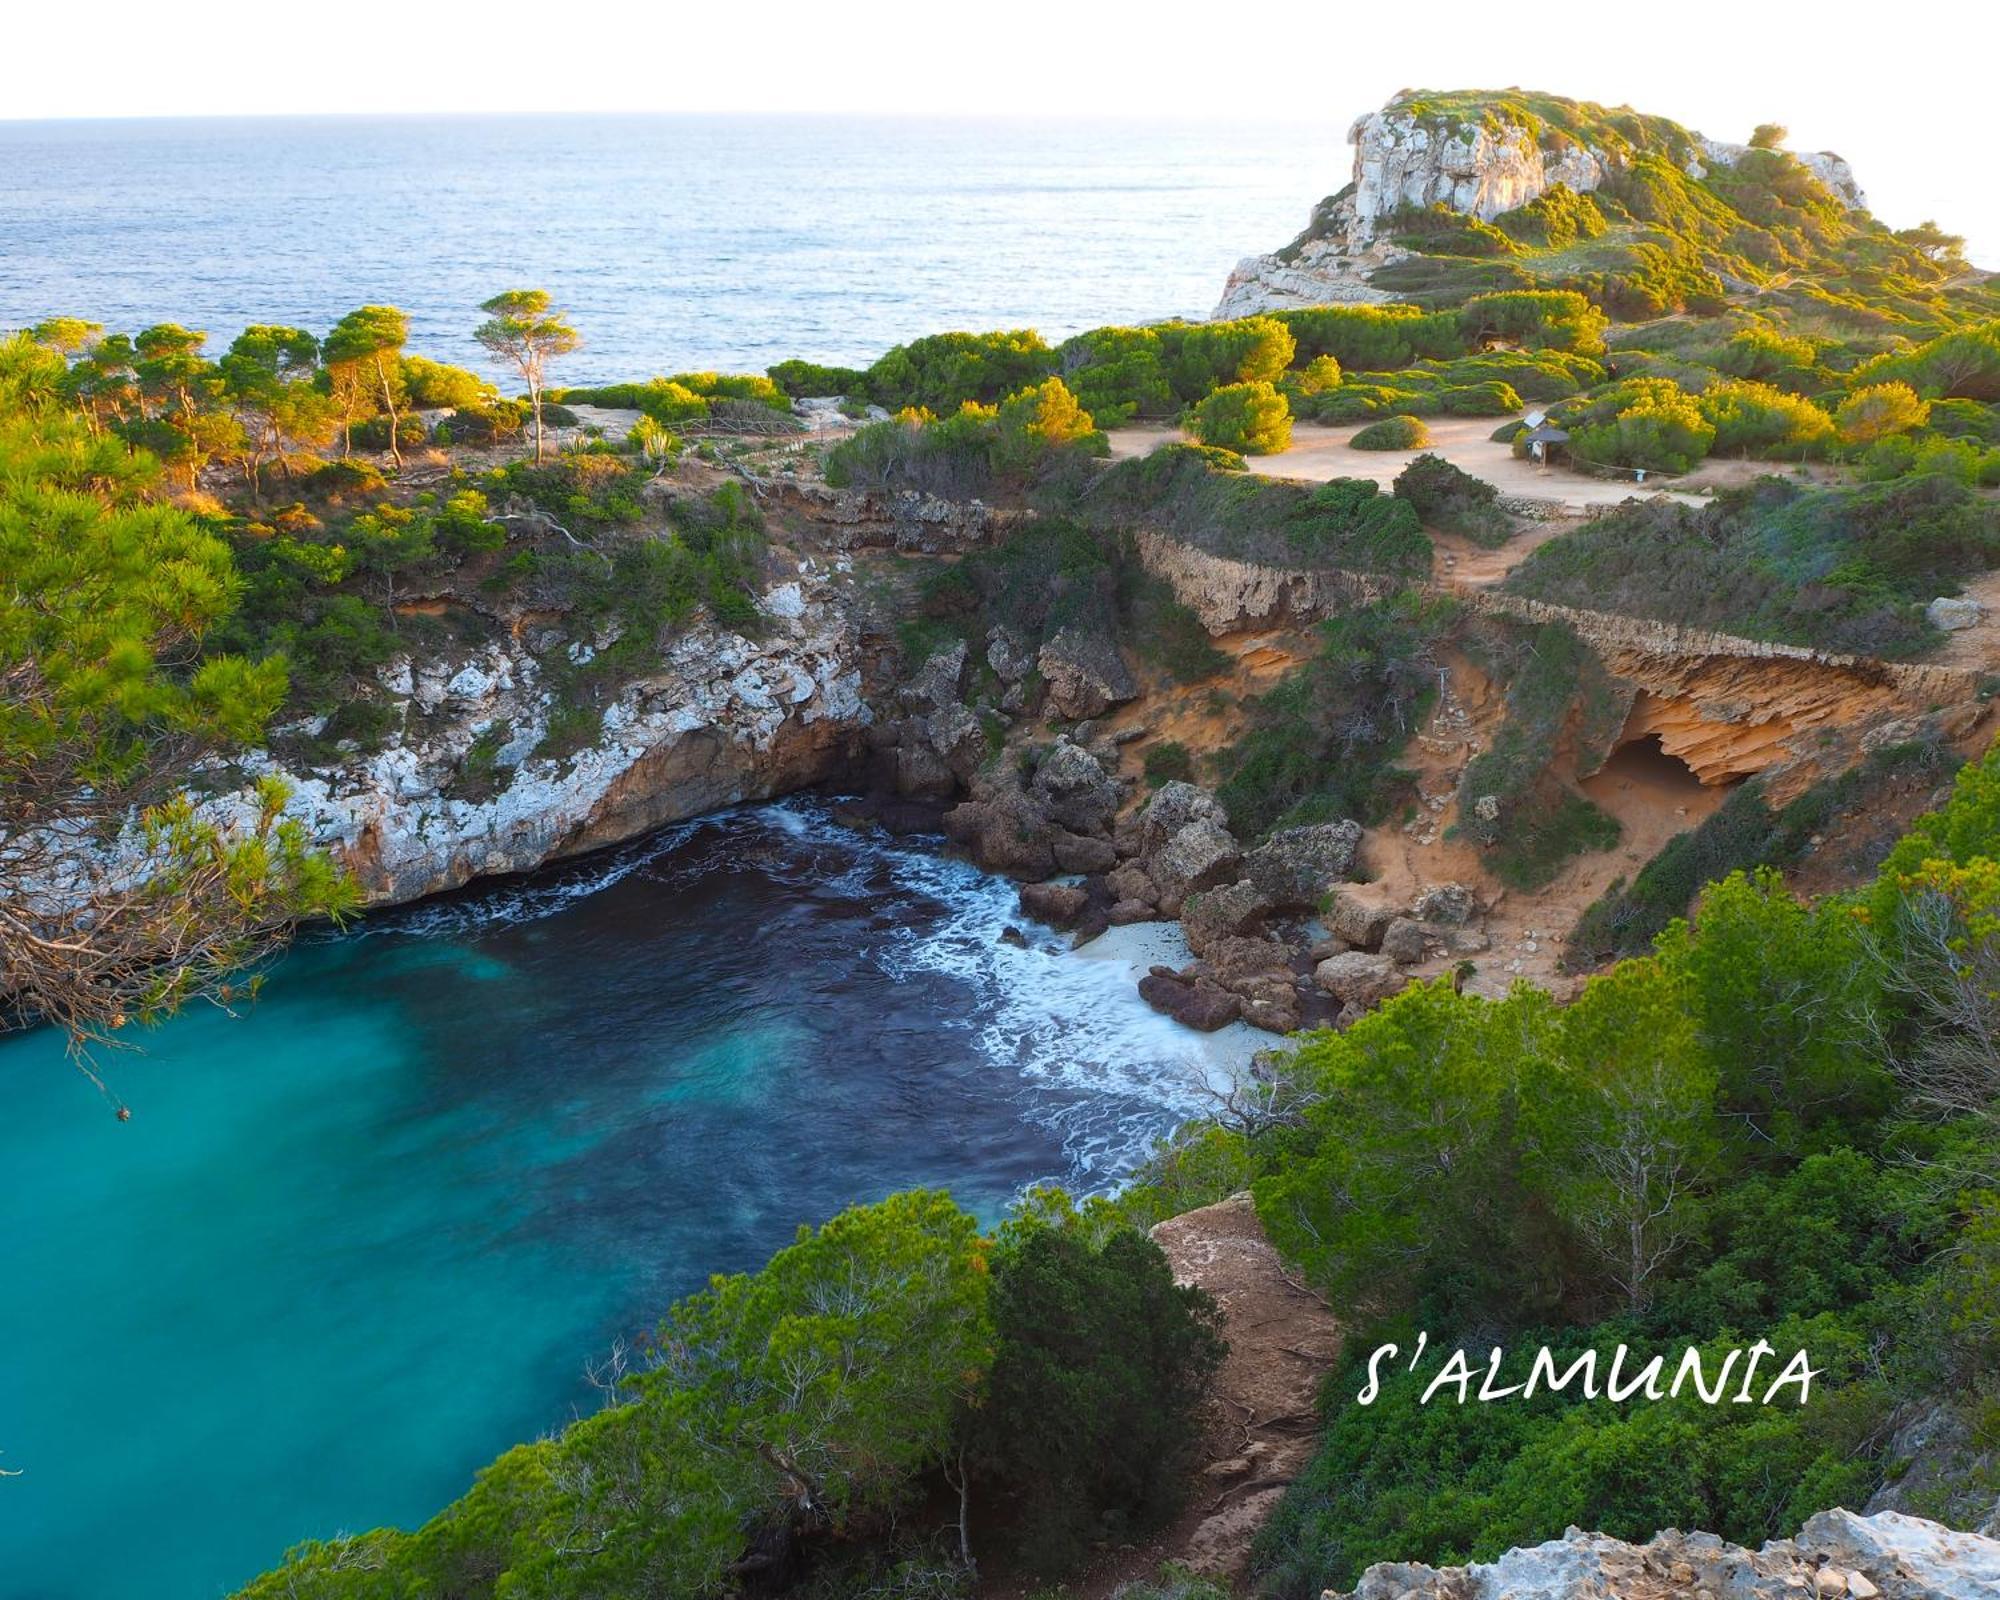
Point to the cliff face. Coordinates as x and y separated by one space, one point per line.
1406 160
460 789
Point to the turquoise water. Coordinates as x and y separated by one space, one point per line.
360 1239
676 242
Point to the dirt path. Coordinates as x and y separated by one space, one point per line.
1976 648
1264 1418
1320 452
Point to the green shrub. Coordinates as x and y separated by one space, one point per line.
1167 761
1447 497
1393 433
1199 357
806 380
944 371
1964 365
1840 569
1119 374
1374 338
1558 319
1250 418
1185 491
1319 746
1754 419
1092 1410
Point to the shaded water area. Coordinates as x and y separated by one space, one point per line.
361 1238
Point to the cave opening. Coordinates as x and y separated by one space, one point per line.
1644 764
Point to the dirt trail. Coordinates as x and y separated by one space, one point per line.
1264 1418
1976 648
1320 452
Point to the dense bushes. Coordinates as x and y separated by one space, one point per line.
686 398
1733 1138
1455 501
1320 746
1393 433
1251 418
942 372
807 380
1192 493
1090 1414
1537 319
1842 569
1964 365
976 451
1374 338
801 1413
1509 797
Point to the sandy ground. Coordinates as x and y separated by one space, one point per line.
1977 647
1319 452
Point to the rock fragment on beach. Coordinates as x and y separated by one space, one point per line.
1359 978
1296 867
1060 905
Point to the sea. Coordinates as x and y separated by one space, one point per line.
675 243
364 1234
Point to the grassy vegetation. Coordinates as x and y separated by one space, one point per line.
1322 744
1559 699
1840 569
1194 495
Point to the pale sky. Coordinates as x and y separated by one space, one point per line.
1908 93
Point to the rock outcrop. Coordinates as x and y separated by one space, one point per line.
1407 160
1836 1554
463 785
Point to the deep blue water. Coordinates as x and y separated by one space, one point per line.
676 242
360 1239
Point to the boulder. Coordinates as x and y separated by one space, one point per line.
1237 958
1952 615
935 683
1057 904
1173 806
1009 655
1075 790
1358 978
1128 911
956 734
1006 834
922 773
1075 852
1201 856
1296 867
1085 675
1128 882
1405 942
1200 1003
1360 924
1837 1553
1904 1555
1450 905
1228 910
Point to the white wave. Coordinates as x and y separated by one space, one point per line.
1096 1066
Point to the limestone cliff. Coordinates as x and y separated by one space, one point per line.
1407 158
464 785
1836 1554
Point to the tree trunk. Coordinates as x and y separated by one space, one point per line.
389 405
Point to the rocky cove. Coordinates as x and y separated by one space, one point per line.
1024 752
